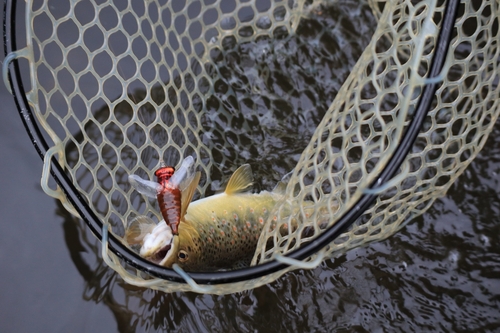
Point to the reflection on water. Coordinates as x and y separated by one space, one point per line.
440 273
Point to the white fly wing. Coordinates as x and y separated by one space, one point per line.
185 171
186 182
146 187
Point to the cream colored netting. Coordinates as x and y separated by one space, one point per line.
119 85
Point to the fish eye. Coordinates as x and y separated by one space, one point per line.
183 256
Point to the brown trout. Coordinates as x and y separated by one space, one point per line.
217 232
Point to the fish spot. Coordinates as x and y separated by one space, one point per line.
248 224
235 217
222 233
234 228
223 221
275 218
225 211
261 220
264 210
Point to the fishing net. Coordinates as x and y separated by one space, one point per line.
117 86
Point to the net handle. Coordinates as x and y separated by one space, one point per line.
133 259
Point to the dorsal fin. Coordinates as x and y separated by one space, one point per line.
188 192
241 180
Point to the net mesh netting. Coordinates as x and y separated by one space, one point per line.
119 85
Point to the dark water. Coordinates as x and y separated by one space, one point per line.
441 273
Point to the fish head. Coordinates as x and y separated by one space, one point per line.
185 250
161 246
156 243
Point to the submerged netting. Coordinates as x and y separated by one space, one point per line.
285 85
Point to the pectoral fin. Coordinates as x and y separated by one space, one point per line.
240 181
137 229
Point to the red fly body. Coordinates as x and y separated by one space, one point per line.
167 190
169 198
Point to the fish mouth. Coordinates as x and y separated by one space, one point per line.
161 253
157 243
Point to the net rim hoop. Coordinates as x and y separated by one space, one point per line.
248 273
